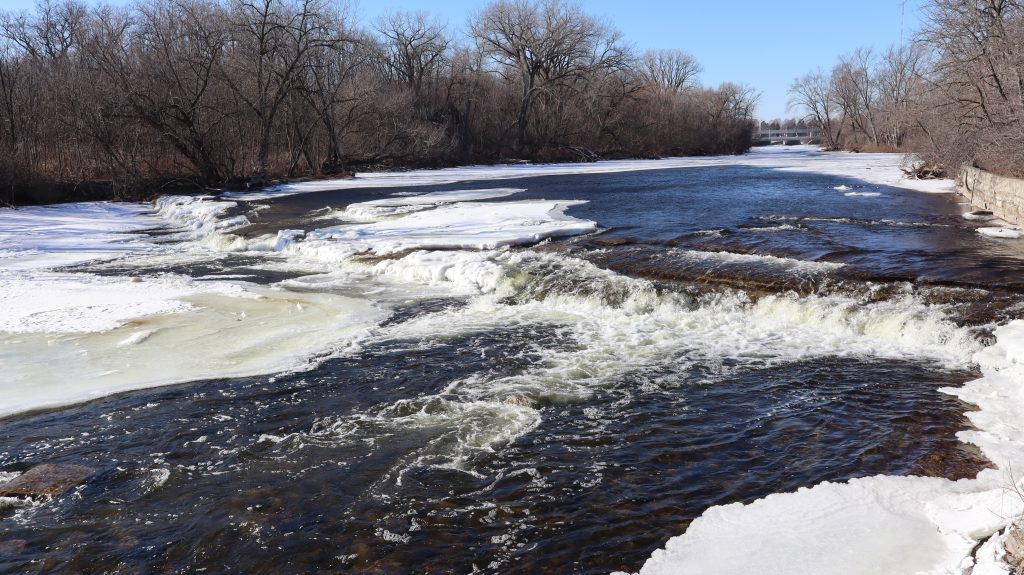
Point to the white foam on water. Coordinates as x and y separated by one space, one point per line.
863 194
788 264
779 228
619 325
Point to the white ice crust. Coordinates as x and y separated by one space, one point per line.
878 168
1006 232
384 208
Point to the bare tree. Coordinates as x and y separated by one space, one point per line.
224 92
416 48
813 92
542 44
854 86
668 70
978 79
164 64
898 81
272 40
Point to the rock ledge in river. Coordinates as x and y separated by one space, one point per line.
45 480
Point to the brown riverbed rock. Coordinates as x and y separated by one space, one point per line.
45 480
12 547
1015 548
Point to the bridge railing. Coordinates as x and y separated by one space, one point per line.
793 133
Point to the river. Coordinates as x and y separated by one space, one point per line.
552 369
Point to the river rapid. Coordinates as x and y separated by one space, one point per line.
530 369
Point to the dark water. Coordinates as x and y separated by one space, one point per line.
334 469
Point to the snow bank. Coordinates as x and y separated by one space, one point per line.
82 303
880 524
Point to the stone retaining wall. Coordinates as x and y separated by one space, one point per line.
1002 195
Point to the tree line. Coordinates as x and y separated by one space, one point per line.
954 93
163 94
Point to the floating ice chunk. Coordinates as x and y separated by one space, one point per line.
842 188
1004 232
136 338
455 226
200 216
979 216
398 205
863 194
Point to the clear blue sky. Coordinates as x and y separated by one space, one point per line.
764 43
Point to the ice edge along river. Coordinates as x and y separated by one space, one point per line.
869 525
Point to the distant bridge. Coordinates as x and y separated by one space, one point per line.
787 136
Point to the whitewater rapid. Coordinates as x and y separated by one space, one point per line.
85 315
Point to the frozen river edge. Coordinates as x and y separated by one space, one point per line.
868 525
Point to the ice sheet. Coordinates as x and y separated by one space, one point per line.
878 168
461 225
66 234
261 332
375 210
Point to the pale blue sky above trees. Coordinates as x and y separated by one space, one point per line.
765 44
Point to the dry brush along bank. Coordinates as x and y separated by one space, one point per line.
124 101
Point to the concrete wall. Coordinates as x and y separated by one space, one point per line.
1002 195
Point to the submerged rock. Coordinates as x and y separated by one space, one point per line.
46 480
12 546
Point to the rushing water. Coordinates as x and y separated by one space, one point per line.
721 334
